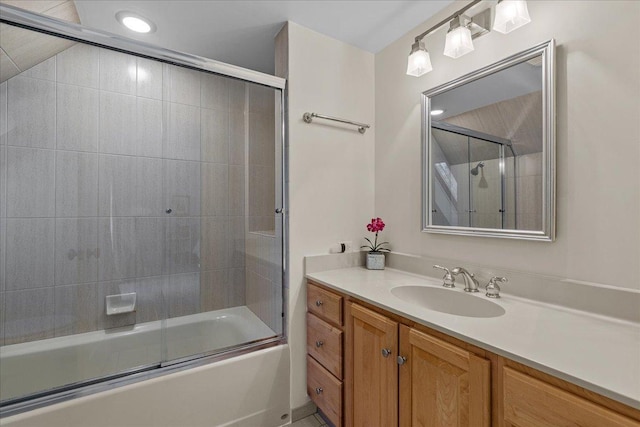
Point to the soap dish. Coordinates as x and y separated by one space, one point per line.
121 303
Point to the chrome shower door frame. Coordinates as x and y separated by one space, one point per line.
75 32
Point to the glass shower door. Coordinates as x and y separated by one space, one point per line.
264 237
486 183
449 162
82 219
223 248
469 186
138 222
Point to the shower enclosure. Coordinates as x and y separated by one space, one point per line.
141 225
475 178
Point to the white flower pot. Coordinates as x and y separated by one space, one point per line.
375 261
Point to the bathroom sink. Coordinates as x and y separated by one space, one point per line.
448 301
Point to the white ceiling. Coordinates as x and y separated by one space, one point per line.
242 32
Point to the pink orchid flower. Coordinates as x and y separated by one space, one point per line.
375 226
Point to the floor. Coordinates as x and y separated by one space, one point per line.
311 421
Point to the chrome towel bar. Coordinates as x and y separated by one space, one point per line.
308 118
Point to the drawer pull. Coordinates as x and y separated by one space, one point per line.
401 360
319 390
386 352
319 344
319 303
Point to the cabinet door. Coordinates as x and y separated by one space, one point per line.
529 402
374 348
441 385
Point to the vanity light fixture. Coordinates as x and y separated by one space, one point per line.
135 22
419 62
458 40
511 15
463 28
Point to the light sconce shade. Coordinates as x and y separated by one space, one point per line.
419 62
466 24
458 40
511 15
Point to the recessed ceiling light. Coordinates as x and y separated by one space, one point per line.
135 22
436 112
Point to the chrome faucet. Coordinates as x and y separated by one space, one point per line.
470 282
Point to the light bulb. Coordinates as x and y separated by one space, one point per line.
458 42
419 62
135 22
511 15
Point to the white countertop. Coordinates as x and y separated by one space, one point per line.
598 353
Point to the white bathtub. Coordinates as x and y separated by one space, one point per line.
41 365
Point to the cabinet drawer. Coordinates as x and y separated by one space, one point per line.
325 391
529 402
324 304
324 343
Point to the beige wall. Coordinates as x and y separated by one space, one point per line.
331 171
598 142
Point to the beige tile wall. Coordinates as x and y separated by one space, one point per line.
95 147
263 254
523 195
528 185
263 280
261 159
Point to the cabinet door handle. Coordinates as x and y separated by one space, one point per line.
401 360
319 390
319 344
386 352
319 303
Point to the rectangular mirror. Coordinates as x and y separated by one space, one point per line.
489 150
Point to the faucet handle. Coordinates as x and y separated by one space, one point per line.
448 281
493 290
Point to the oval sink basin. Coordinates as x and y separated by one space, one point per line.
448 301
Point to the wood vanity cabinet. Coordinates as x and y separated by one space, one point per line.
441 384
396 372
373 385
325 351
528 401
402 376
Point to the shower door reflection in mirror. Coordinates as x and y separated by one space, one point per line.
473 184
489 150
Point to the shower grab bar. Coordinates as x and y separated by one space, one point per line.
308 118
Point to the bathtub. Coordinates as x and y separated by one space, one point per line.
29 367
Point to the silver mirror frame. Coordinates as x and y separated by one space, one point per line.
548 232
